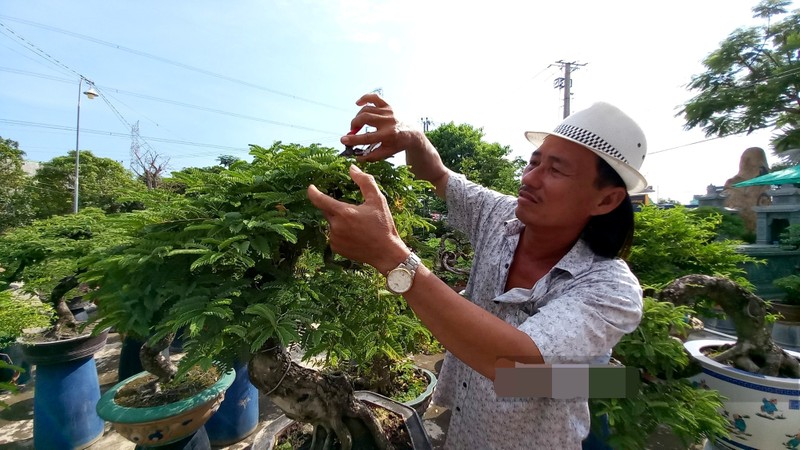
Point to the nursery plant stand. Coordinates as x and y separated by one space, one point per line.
67 389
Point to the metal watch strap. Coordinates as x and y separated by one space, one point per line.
411 263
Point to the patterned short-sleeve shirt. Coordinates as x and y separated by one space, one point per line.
574 314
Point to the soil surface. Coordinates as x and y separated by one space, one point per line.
298 435
138 393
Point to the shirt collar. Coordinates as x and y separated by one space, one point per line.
577 260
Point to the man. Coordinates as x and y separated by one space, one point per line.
546 285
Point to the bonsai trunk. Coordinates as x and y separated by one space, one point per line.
66 326
154 362
754 350
326 401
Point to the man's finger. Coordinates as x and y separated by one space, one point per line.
373 98
328 205
365 182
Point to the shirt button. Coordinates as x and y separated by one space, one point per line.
506 265
465 384
458 409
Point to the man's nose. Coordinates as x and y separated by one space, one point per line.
532 176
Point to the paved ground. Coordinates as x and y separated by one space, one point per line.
16 422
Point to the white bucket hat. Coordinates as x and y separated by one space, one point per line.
611 134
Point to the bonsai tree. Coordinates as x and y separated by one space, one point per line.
366 332
754 350
684 268
18 313
240 260
44 257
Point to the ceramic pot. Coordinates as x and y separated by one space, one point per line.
237 416
763 412
162 425
420 404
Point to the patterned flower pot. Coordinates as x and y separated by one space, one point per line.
162 425
763 412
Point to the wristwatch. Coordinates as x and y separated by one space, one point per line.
400 279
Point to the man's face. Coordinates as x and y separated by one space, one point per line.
558 186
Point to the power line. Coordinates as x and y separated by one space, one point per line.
116 134
175 102
169 61
689 144
36 49
39 52
151 138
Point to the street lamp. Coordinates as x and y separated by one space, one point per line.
91 93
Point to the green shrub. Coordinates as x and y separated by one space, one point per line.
791 286
20 312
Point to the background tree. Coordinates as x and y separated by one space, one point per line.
148 165
463 150
227 161
751 81
104 184
15 207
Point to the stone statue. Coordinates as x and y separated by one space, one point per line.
753 163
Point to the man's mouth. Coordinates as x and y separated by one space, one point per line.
527 195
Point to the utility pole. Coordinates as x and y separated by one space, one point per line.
426 123
565 82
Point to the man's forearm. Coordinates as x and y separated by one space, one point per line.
466 330
425 163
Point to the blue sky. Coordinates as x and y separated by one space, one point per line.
206 78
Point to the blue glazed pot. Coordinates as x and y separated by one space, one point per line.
67 390
237 416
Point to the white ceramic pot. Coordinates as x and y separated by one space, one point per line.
762 412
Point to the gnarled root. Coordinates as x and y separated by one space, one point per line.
775 362
326 401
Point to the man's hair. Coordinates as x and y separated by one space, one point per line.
610 235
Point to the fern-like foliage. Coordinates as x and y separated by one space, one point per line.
227 258
666 397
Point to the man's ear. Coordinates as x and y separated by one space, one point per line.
609 199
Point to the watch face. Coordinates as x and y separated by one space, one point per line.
399 280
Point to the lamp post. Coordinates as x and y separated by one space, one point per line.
90 93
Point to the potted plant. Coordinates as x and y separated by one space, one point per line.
761 381
17 313
368 334
234 258
44 256
786 329
153 412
